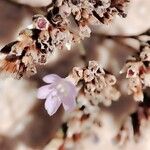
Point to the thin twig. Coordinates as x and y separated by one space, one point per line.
136 37
117 36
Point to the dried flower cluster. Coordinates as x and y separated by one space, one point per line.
53 31
79 123
135 123
97 85
137 70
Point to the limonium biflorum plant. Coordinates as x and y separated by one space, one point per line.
89 88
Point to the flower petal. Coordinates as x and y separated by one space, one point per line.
69 102
44 91
51 78
52 104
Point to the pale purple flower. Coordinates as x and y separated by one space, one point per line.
57 91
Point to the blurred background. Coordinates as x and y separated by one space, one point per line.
24 124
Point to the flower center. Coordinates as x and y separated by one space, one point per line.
62 89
